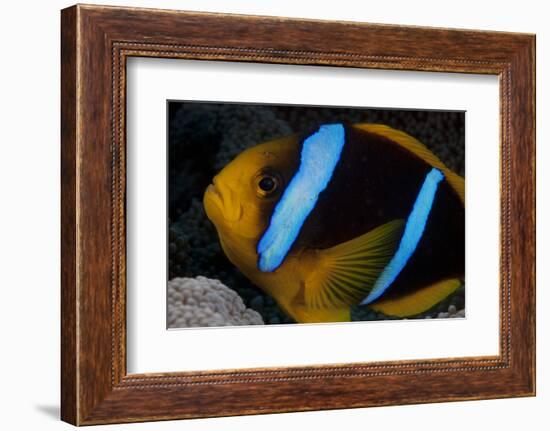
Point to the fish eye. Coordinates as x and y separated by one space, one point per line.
267 184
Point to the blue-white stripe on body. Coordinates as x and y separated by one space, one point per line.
319 156
414 229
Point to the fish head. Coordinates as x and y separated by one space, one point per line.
243 195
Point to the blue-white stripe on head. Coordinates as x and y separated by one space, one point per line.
414 229
320 154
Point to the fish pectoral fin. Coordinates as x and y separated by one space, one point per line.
418 301
344 274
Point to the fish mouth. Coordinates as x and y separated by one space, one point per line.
215 203
213 191
212 198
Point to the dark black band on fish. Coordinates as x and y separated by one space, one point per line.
376 181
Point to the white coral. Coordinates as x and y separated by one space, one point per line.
202 301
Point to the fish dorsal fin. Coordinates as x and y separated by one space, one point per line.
418 301
344 274
420 150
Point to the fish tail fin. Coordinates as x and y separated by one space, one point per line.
420 150
418 301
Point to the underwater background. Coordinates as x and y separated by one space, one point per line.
204 137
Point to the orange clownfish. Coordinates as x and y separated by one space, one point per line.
347 215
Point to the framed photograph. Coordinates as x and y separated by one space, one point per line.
265 215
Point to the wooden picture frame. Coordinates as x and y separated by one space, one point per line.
95 43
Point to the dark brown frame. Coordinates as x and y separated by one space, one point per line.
95 43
